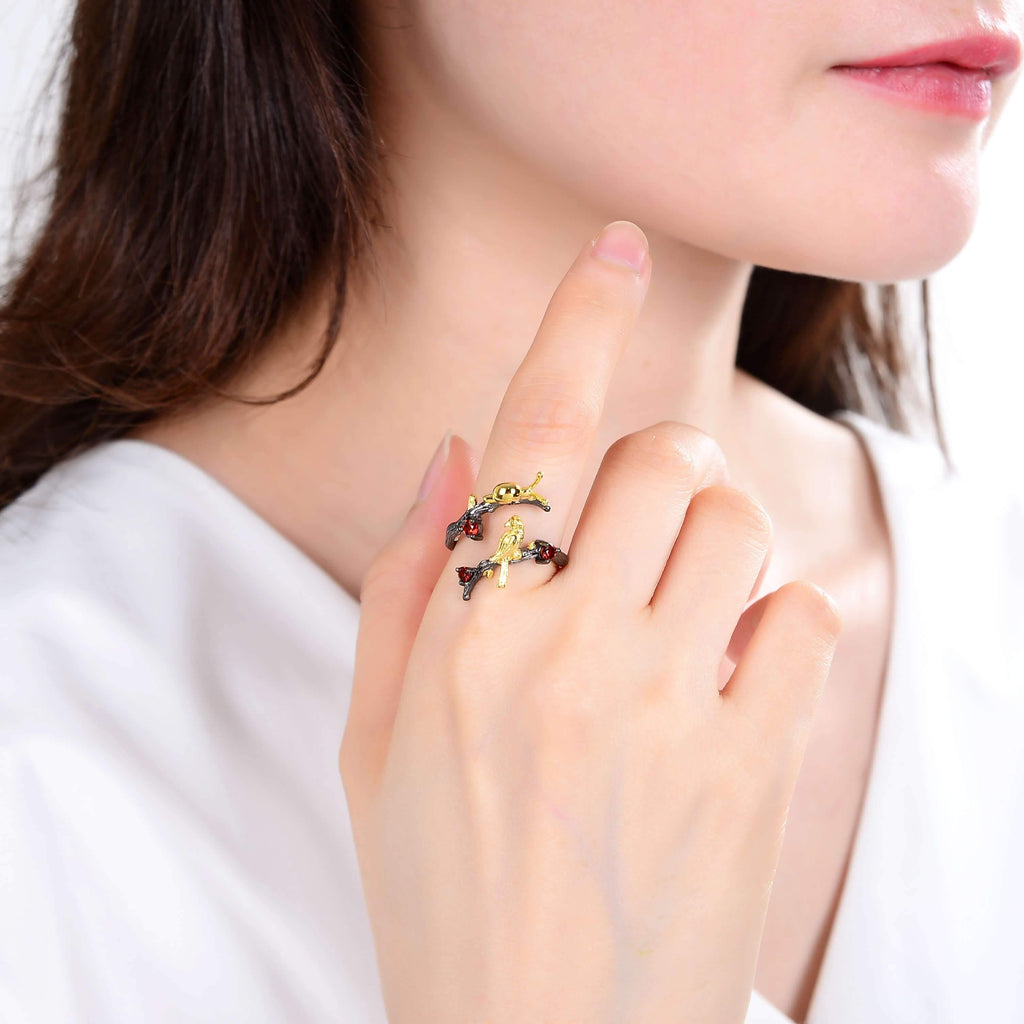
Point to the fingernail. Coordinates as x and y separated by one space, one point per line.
622 242
437 462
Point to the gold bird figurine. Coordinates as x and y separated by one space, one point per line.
509 547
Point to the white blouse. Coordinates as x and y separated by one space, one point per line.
174 838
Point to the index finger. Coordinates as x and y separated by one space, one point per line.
549 415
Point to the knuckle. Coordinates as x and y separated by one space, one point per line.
673 447
706 450
814 605
663 448
740 508
545 413
595 298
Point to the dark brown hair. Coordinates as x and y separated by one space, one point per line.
213 157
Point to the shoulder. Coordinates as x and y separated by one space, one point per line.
173 678
87 520
956 512
959 541
90 552
70 571
133 586
112 574
956 536
957 505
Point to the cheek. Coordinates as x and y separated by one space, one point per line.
716 122
876 192
599 92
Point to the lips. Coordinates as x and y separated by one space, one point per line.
939 88
995 53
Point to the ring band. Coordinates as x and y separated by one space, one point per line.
469 523
510 545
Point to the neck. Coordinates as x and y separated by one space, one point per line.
435 327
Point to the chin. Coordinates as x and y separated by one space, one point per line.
879 236
880 260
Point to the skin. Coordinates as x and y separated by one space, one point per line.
514 134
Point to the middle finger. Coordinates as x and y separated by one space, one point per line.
632 516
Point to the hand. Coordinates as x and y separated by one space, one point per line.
558 814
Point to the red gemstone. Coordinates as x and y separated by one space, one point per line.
547 552
471 527
465 573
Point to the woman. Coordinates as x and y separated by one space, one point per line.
207 470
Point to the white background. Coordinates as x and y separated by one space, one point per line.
978 298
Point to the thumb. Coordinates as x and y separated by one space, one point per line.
394 595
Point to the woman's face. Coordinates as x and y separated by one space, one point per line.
719 121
